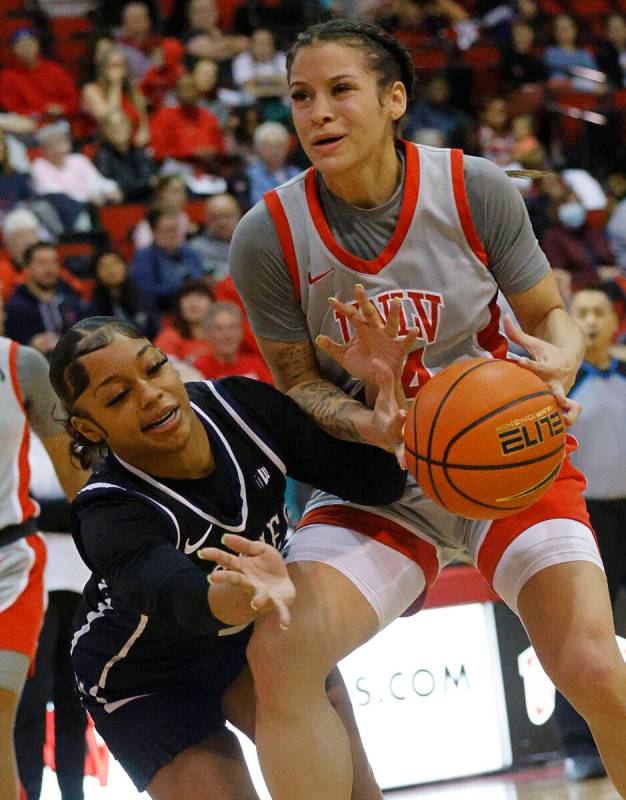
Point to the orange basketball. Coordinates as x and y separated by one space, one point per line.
485 438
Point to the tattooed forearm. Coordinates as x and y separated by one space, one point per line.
329 407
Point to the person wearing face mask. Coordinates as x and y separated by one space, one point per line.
574 246
601 433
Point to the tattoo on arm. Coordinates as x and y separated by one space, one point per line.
329 407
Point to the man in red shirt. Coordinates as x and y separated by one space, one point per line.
34 86
224 336
186 132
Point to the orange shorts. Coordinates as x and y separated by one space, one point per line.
22 594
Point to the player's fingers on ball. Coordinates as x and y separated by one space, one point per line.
227 576
260 599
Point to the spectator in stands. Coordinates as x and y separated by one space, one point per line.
18 153
170 197
616 231
34 86
186 132
260 73
611 55
15 186
435 111
530 12
204 38
495 136
20 229
116 295
564 57
43 307
160 269
573 245
185 337
601 433
165 69
212 244
113 90
225 335
60 172
121 161
272 145
527 150
520 66
217 100
137 39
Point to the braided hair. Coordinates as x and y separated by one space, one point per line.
383 53
69 377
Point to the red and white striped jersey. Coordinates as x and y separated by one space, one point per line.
434 263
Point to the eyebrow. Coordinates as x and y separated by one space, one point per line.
114 377
328 80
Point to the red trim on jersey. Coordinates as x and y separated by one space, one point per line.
389 533
26 504
462 205
20 623
490 338
563 500
281 223
409 203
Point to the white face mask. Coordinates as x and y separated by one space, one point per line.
572 215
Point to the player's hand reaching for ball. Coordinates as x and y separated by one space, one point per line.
258 573
552 364
373 338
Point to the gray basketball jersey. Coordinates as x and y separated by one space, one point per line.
434 263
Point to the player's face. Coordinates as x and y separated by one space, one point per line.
596 317
135 401
342 117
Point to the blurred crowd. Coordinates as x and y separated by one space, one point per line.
133 136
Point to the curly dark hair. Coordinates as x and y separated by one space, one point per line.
384 54
69 378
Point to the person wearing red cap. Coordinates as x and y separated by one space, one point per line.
34 86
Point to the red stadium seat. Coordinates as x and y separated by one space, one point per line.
590 9
71 40
568 104
484 60
196 209
430 59
118 222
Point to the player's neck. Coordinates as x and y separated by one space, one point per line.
368 185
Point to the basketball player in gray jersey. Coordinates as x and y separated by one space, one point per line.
431 236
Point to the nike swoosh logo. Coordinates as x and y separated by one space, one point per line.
191 548
319 277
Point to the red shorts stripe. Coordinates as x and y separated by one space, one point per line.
20 624
564 500
383 530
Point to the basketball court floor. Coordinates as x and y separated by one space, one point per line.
543 783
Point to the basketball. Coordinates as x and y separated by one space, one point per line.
484 438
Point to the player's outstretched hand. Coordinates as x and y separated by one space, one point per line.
258 569
373 338
389 418
551 363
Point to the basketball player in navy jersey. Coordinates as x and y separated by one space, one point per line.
438 234
187 468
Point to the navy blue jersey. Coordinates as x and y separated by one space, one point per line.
145 623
